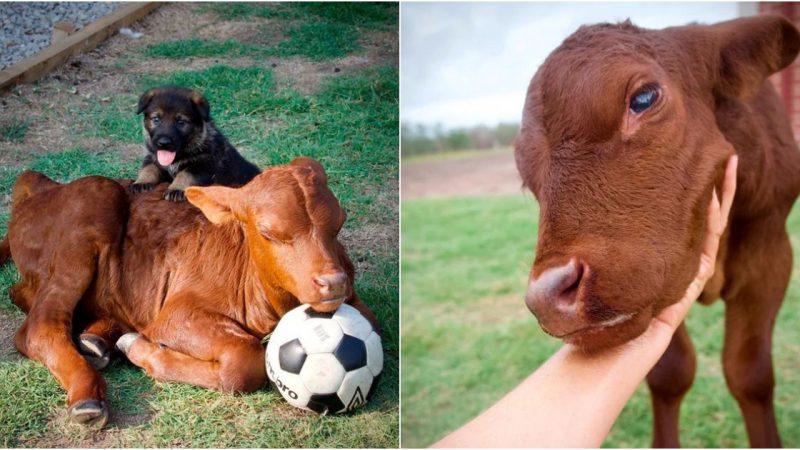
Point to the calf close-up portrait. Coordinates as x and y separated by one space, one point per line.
600 225
625 135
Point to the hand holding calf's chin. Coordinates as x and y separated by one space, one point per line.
661 328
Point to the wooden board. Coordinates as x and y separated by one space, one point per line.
87 38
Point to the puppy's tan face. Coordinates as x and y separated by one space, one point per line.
173 120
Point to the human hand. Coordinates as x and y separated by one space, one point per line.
585 392
668 320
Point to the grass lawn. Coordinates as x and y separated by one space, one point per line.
347 119
457 154
468 338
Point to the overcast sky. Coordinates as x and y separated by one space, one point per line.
465 64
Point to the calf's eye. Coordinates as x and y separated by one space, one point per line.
643 99
181 122
155 119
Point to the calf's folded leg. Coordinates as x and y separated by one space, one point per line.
165 364
63 238
46 336
211 351
96 341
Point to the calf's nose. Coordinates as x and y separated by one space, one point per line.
332 284
553 297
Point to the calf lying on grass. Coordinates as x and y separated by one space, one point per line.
203 282
624 136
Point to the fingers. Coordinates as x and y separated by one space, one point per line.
718 212
714 231
729 188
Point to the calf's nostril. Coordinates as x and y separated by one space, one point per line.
554 298
334 283
557 284
566 289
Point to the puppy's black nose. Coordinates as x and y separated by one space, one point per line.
163 141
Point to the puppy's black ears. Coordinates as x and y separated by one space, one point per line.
145 99
202 105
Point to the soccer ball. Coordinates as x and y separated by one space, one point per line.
324 362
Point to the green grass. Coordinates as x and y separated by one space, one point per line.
13 130
319 41
350 125
65 166
194 48
314 30
380 14
232 92
354 13
41 393
240 11
468 338
314 40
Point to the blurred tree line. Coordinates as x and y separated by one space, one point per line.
420 139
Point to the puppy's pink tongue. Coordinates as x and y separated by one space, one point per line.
165 157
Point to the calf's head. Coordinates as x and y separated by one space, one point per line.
620 144
291 220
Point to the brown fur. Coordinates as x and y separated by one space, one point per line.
203 282
623 195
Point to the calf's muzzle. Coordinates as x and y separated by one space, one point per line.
556 299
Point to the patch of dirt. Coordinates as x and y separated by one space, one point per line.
381 48
259 32
378 49
104 73
494 174
373 236
69 435
9 324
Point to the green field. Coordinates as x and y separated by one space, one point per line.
347 120
468 338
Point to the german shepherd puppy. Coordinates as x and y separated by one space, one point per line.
184 146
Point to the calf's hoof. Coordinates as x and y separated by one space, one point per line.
95 350
125 342
91 413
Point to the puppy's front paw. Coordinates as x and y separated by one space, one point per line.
141 187
175 195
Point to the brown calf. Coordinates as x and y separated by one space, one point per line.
203 282
625 133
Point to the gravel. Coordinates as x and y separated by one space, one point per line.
26 28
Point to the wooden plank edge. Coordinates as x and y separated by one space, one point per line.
87 38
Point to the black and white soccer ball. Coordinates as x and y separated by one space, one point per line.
324 362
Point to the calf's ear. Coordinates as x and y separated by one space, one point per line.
217 203
314 165
750 50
